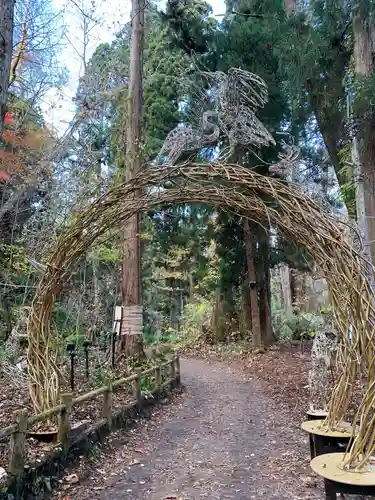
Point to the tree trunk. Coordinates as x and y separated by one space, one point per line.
331 131
304 296
330 127
191 287
174 305
286 289
265 287
363 150
293 288
6 48
218 323
22 46
131 274
245 313
97 312
298 290
255 317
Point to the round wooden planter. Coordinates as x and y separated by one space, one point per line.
339 480
316 414
43 436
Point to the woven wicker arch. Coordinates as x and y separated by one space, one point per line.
241 191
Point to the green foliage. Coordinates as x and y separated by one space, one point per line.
147 386
162 87
101 376
14 271
314 54
326 310
64 321
177 264
253 45
13 259
192 254
3 355
210 278
76 336
348 185
189 24
364 101
196 320
106 253
169 335
197 314
313 47
164 66
94 451
297 326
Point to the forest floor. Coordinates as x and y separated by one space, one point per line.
13 398
233 434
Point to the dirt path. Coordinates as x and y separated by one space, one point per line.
223 439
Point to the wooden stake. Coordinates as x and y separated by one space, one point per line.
158 381
178 371
107 406
17 452
137 390
172 368
64 422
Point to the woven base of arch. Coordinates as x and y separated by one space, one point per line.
262 199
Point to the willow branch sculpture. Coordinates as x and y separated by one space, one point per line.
263 199
186 138
237 95
322 357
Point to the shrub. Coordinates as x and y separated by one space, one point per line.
297 326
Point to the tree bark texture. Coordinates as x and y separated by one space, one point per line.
364 144
298 289
131 272
293 289
21 48
331 127
255 317
218 320
6 48
244 319
263 279
285 289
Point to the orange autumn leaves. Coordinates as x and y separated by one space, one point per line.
20 148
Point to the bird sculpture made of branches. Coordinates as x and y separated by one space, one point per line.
237 87
288 159
243 128
237 95
186 138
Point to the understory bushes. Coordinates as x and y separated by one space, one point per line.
296 326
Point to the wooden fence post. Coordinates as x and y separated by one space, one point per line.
17 453
64 422
137 390
172 368
178 371
158 381
107 406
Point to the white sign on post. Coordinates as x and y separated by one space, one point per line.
118 320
